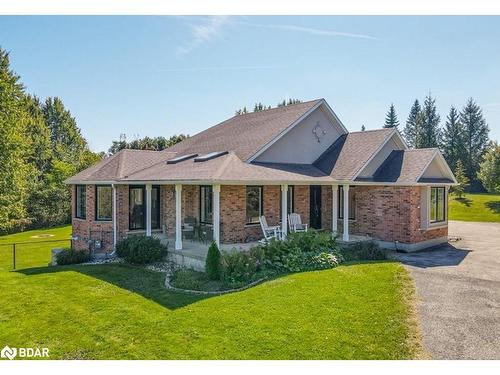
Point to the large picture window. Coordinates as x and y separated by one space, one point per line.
438 205
80 201
254 205
137 207
206 204
290 205
352 203
104 202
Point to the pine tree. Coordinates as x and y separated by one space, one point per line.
363 128
391 119
462 180
452 140
15 172
419 138
430 132
475 138
409 132
489 172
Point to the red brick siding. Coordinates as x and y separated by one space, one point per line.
390 213
301 202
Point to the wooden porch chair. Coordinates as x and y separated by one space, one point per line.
295 223
269 232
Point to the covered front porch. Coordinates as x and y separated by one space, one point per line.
189 217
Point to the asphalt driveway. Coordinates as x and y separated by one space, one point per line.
458 289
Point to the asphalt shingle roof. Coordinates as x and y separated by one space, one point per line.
348 154
244 134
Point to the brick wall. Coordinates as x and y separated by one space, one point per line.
90 229
389 213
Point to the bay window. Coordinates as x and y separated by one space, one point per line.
438 205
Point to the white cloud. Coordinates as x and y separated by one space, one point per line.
204 32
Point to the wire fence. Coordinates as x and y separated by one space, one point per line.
18 255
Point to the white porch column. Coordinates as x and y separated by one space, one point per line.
335 207
284 210
115 217
178 217
216 213
345 236
148 209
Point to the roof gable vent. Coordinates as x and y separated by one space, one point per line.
210 156
178 159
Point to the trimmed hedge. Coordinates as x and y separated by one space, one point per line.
141 250
70 256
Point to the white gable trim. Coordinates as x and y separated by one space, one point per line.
442 163
294 124
389 137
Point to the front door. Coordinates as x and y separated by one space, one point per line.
315 206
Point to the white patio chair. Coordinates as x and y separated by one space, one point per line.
269 232
295 223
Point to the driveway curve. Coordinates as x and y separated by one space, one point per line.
458 291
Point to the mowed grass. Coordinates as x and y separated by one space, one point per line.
33 247
357 311
475 207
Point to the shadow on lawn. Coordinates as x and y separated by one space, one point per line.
444 255
465 201
137 280
493 206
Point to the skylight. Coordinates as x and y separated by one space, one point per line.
210 156
178 159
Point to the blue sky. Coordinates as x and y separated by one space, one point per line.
167 75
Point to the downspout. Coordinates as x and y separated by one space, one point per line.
115 216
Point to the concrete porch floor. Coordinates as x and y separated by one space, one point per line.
199 250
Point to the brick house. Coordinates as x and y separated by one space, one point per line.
298 158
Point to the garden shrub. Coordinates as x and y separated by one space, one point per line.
189 279
71 256
298 251
239 266
363 251
141 250
213 262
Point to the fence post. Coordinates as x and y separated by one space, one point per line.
14 254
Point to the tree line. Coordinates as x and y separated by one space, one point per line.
146 143
463 140
40 146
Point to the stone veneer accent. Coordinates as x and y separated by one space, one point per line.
387 213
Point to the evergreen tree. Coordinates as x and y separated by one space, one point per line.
363 128
410 132
429 131
489 172
462 179
15 172
475 138
419 137
452 140
67 141
391 119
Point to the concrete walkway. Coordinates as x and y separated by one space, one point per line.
458 288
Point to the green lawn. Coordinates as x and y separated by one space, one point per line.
358 311
30 251
475 207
